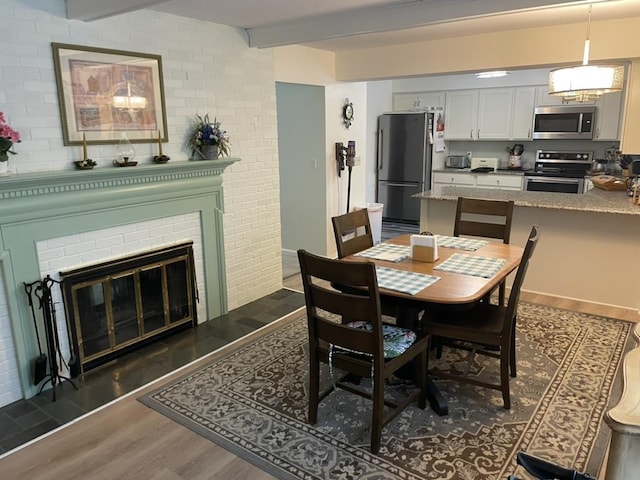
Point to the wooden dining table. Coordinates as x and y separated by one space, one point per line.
452 291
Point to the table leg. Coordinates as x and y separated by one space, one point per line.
408 316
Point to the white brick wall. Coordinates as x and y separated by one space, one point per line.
10 390
207 68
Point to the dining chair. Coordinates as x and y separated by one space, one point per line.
485 329
352 232
485 218
364 347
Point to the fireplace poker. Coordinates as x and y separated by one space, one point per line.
40 363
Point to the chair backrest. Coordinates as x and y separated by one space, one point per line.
326 306
471 213
352 232
514 294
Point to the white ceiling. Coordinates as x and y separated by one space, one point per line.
339 25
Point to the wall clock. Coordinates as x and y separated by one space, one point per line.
347 113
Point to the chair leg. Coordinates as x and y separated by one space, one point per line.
314 389
421 379
504 379
512 352
378 411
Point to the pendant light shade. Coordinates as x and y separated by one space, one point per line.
585 82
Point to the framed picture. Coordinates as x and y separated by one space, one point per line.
103 93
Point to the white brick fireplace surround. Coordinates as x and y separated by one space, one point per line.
56 220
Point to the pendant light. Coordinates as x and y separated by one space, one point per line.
585 82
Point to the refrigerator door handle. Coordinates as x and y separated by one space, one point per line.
380 142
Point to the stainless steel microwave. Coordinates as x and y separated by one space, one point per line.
564 122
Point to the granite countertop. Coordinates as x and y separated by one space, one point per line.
595 200
505 171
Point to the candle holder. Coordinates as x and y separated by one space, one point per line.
86 163
160 158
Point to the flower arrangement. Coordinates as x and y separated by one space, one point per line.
8 136
205 132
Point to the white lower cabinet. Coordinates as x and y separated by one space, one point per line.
475 180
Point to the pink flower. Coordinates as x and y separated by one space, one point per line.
8 136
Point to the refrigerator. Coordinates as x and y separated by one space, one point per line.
403 165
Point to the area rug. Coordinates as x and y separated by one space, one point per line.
254 403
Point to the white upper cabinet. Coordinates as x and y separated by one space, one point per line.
608 117
522 119
543 98
494 113
478 114
403 102
461 115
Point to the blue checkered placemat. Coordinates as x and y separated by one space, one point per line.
386 251
403 281
485 267
468 244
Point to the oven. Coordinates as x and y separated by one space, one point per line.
558 171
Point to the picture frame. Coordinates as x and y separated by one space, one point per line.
103 93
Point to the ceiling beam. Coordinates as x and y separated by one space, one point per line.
387 18
88 10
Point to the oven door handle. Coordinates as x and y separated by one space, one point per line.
553 180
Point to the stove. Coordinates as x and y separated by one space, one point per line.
559 171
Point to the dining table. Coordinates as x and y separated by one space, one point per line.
466 270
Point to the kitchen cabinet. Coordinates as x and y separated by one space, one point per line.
608 117
475 180
522 118
406 101
543 98
478 114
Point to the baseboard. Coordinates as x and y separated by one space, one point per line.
581 305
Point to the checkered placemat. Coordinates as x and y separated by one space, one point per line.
403 281
468 244
485 267
386 251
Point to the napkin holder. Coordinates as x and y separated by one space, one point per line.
424 248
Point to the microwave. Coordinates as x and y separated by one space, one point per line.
569 122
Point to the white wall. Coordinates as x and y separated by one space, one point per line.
207 68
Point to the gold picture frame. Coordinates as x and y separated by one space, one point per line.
103 93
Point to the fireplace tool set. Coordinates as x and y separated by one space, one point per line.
41 289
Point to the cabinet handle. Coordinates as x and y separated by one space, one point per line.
478 136
597 132
471 134
529 133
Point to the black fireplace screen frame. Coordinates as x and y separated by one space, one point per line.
140 314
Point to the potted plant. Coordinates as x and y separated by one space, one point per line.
8 136
206 139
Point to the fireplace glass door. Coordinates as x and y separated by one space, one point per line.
116 306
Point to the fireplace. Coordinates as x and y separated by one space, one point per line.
65 220
115 306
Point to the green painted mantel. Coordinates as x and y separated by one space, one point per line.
45 205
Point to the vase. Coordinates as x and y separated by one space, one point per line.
4 164
208 152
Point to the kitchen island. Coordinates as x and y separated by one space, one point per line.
588 248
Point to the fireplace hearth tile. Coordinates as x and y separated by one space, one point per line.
135 369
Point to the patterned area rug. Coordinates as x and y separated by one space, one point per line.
253 402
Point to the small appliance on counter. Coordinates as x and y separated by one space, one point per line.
457 161
484 164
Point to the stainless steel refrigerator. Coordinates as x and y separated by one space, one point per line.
403 163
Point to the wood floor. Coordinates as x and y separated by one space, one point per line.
128 440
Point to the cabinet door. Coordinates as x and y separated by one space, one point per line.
461 115
408 101
500 182
543 98
403 102
608 117
522 119
494 113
